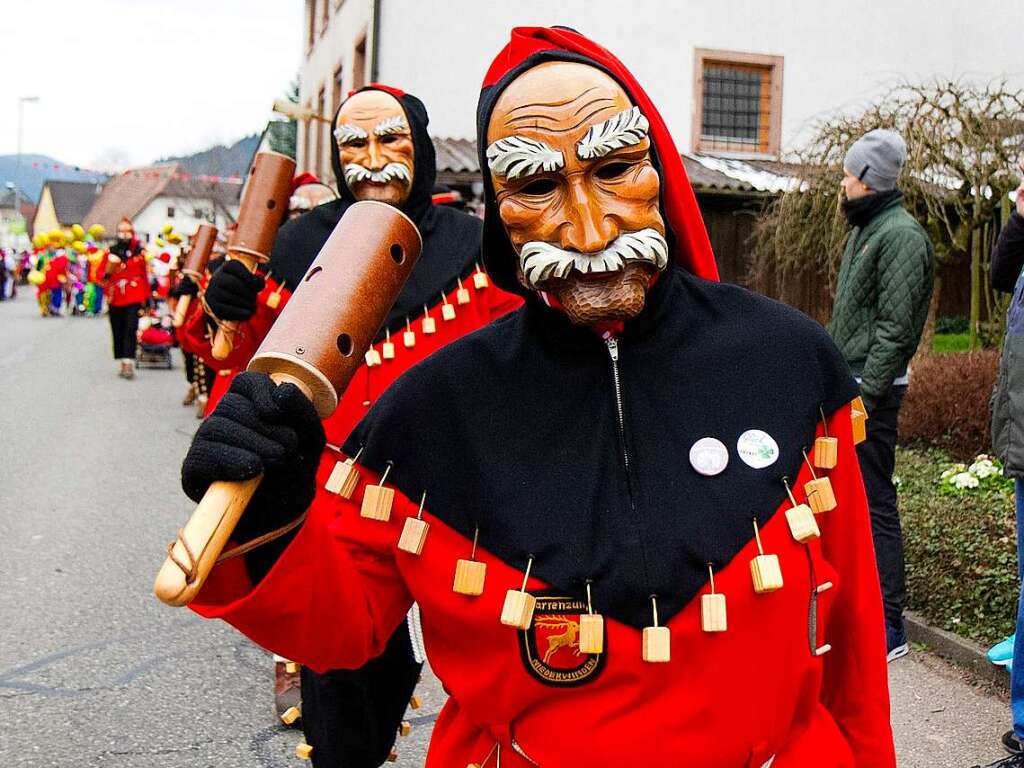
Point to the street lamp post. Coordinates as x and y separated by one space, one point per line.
22 100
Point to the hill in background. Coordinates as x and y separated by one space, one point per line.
35 169
219 160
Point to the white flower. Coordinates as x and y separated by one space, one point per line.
954 470
983 468
897 480
965 480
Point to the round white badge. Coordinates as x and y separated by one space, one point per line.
757 449
709 456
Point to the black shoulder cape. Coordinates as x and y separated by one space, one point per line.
514 429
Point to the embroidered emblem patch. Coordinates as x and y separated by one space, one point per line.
550 648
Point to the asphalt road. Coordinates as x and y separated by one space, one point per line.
94 671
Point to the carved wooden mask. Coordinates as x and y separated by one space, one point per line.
375 143
569 157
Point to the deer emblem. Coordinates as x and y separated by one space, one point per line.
567 639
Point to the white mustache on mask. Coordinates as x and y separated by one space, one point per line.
541 261
355 173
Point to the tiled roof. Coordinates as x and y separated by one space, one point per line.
72 200
128 194
707 173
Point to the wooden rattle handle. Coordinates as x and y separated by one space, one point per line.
191 557
181 310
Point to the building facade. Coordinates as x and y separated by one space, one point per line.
744 78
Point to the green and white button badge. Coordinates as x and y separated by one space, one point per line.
757 449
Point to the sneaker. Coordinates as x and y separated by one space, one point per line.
1013 761
1001 654
1011 743
895 643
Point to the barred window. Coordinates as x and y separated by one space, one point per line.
739 103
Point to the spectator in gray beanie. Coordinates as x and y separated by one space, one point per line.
882 296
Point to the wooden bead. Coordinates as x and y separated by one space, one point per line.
409 339
469 577
414 702
462 296
657 645
712 613
405 728
414 533
859 422
343 479
377 502
372 357
292 667
274 300
820 495
518 609
766 573
290 715
591 633
304 751
826 452
429 325
479 281
802 524
387 350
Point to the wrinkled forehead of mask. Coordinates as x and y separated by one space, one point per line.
370 114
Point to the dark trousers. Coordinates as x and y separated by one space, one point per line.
877 457
351 716
124 325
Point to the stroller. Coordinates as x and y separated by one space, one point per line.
155 343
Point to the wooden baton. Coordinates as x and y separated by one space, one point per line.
195 265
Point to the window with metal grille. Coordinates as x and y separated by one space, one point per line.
738 102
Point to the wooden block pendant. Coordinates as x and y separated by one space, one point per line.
290 715
802 524
657 642
519 604
518 609
858 404
414 533
591 633
712 613
292 667
461 295
820 495
712 608
343 479
469 577
429 324
372 357
826 452
767 573
479 279
304 751
447 311
414 702
378 500
387 350
591 639
274 300
657 645
409 339
405 728
859 422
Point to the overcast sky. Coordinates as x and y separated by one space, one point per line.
123 82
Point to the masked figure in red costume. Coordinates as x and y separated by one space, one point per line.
381 151
603 502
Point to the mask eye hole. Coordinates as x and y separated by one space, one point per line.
538 187
390 139
355 144
613 170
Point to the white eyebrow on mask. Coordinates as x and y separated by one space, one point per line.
347 132
515 157
391 125
626 129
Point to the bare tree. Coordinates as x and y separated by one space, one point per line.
963 142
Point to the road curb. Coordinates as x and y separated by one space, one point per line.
959 650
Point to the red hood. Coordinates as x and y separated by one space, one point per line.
530 46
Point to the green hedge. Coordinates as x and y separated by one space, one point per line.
961 549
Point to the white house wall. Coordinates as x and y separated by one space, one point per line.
838 54
154 216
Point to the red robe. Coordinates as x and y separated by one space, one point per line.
342 587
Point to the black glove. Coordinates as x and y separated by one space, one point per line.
257 427
185 287
233 290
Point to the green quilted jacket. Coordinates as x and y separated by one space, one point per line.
885 286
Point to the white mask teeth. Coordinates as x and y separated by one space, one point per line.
541 261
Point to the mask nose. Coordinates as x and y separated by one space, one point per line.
587 229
